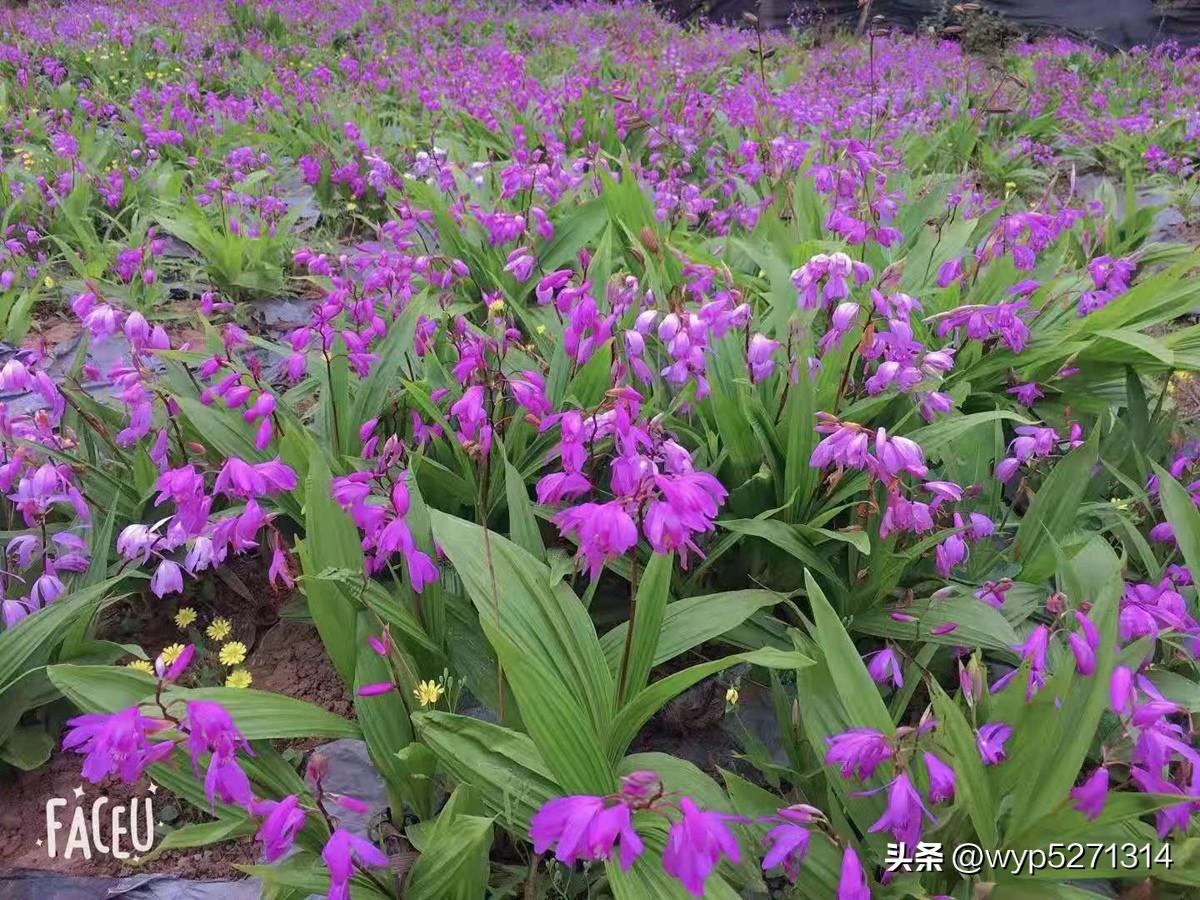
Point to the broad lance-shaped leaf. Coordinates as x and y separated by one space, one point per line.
454 863
1079 701
690 622
331 542
640 644
257 714
555 720
32 637
1054 510
1181 512
504 766
973 787
541 616
638 709
857 691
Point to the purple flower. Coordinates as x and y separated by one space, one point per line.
1027 394
585 827
1120 690
604 531
990 740
1034 651
852 885
758 357
167 579
209 728
696 843
858 751
788 840
116 742
340 852
281 823
1089 797
883 666
902 816
896 455
225 781
941 779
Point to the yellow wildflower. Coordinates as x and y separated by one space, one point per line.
731 696
141 665
185 617
48 282
428 692
171 653
238 678
232 653
496 307
219 629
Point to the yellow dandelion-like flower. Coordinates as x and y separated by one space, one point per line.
171 653
219 629
731 696
185 617
496 307
48 282
232 653
238 678
351 206
141 665
428 692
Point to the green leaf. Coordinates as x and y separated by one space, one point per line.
257 714
641 643
522 522
555 719
1181 512
1054 510
539 615
502 765
690 622
32 638
453 864
202 834
639 708
331 541
859 695
973 789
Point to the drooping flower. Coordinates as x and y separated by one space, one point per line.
604 532
852 883
990 740
585 827
340 853
281 823
902 816
1090 796
941 779
858 751
787 842
883 666
695 845
116 743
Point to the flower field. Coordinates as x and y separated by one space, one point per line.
705 462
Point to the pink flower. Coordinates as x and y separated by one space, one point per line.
604 531
167 579
902 816
883 666
941 779
991 739
788 840
852 884
340 852
696 843
858 751
281 823
116 742
585 827
1089 797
